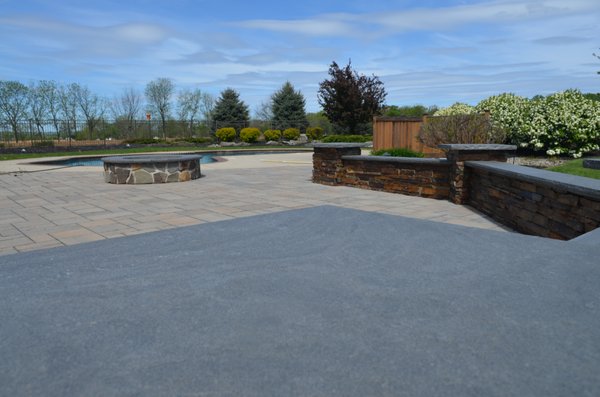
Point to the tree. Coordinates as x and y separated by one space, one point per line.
67 97
189 104
127 107
264 111
408 111
92 107
14 100
49 90
208 105
350 100
38 108
287 106
158 94
597 56
230 111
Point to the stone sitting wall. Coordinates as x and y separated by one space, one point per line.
537 202
151 169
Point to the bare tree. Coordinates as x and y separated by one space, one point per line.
158 94
91 105
127 107
49 90
208 106
14 100
189 103
264 111
67 97
38 108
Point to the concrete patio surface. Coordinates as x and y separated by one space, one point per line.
319 301
46 206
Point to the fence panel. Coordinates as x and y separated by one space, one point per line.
400 132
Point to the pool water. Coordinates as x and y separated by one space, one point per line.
97 161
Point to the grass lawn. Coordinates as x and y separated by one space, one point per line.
17 156
575 167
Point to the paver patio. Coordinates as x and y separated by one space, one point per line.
74 205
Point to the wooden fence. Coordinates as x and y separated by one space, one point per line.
401 132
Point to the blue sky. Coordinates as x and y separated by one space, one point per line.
426 52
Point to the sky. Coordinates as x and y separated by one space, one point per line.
425 52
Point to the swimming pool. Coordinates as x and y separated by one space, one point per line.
97 161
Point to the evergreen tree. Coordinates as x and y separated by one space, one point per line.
230 111
287 106
350 100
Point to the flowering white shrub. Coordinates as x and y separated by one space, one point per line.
562 123
509 112
456 109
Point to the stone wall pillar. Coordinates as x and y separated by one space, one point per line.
457 154
328 168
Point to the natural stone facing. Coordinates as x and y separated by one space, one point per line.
592 163
328 166
533 201
586 187
423 179
151 169
457 154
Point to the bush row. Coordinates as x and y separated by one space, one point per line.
251 134
563 123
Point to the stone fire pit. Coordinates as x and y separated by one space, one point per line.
151 168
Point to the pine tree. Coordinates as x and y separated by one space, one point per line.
230 111
350 100
288 108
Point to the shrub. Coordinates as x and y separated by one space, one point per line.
396 152
348 138
226 134
314 133
509 112
465 128
458 108
563 123
197 140
272 135
249 134
144 141
291 134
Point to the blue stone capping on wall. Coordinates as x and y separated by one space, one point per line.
400 160
592 163
338 145
587 187
474 147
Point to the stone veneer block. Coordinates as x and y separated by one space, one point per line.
534 201
457 154
151 169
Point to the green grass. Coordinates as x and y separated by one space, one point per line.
18 156
575 167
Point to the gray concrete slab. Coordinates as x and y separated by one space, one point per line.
320 301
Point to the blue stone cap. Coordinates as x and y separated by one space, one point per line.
401 160
477 147
587 187
339 145
144 159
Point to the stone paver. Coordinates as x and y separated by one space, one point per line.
74 205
